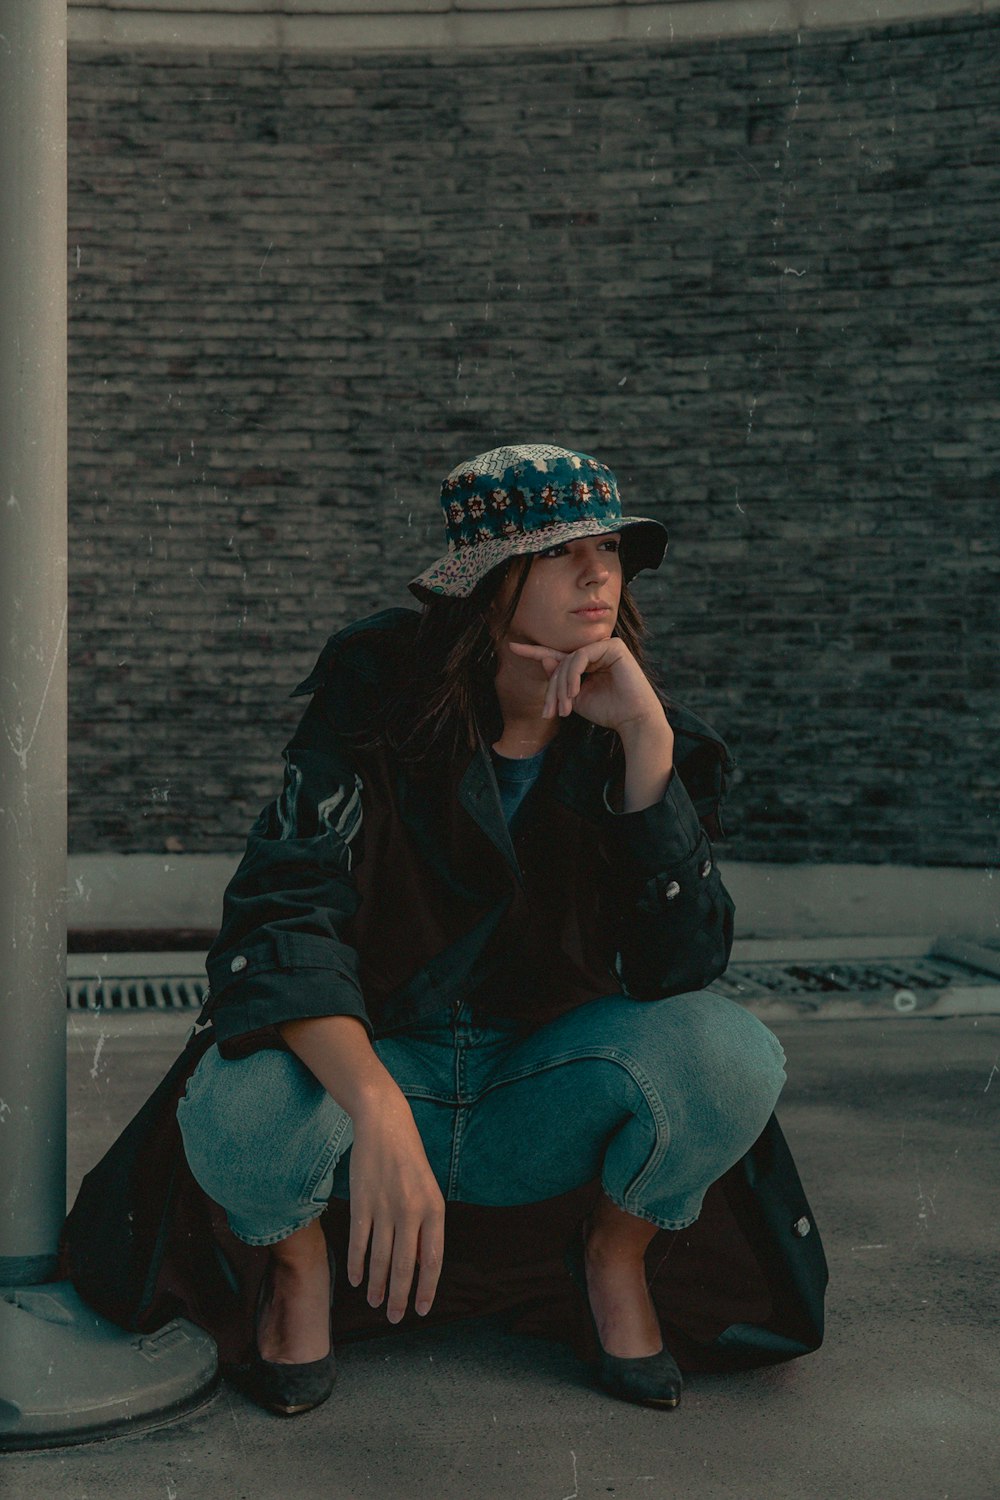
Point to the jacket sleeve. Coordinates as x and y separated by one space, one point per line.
281 954
671 913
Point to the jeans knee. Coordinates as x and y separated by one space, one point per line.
729 1062
252 1131
770 1060
748 1060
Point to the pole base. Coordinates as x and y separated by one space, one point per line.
67 1375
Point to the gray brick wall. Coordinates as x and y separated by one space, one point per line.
757 277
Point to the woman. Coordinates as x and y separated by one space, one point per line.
467 959
532 597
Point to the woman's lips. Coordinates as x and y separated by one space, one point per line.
593 613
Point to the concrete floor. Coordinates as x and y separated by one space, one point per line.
894 1127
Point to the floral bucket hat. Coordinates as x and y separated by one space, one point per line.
512 501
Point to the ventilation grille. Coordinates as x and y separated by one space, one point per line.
903 983
864 977
906 983
161 993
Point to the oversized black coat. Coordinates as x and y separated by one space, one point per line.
387 893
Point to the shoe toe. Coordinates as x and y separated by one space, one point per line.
286 1390
652 1381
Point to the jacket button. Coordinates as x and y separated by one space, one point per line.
801 1227
705 868
672 890
238 963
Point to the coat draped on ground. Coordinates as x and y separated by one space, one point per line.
390 893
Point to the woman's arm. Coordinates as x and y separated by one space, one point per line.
396 1204
282 973
671 913
649 761
281 953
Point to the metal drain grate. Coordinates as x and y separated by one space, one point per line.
907 983
161 993
868 977
808 986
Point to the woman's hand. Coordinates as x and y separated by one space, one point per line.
396 1205
602 682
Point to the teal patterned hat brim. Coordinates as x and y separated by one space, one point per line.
521 499
457 573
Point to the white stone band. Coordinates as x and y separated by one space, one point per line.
435 25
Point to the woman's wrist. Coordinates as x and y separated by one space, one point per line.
648 744
375 1099
338 1053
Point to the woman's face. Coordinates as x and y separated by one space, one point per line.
561 582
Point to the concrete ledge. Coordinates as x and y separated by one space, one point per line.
150 891
111 891
863 900
432 25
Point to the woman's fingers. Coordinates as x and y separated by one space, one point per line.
566 693
548 705
401 1234
555 693
404 1263
357 1247
395 1252
574 679
430 1252
564 685
564 679
522 648
553 698
379 1262
395 1200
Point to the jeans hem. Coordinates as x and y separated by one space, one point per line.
263 1240
650 1217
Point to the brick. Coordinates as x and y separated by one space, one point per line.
302 288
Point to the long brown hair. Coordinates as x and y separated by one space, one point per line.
447 695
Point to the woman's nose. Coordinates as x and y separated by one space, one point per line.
595 568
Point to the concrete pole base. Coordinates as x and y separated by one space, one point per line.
67 1375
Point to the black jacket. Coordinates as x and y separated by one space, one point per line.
386 894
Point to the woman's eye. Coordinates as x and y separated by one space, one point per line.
555 550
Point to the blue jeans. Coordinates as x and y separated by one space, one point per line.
657 1098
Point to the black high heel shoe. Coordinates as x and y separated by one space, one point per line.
287 1390
649 1380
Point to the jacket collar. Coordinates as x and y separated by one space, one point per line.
479 794
576 762
581 760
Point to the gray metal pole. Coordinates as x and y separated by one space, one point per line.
33 636
65 1374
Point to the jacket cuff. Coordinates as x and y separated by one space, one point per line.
269 999
286 976
655 838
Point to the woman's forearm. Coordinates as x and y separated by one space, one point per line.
649 762
337 1051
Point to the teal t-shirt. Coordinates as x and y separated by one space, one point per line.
515 778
